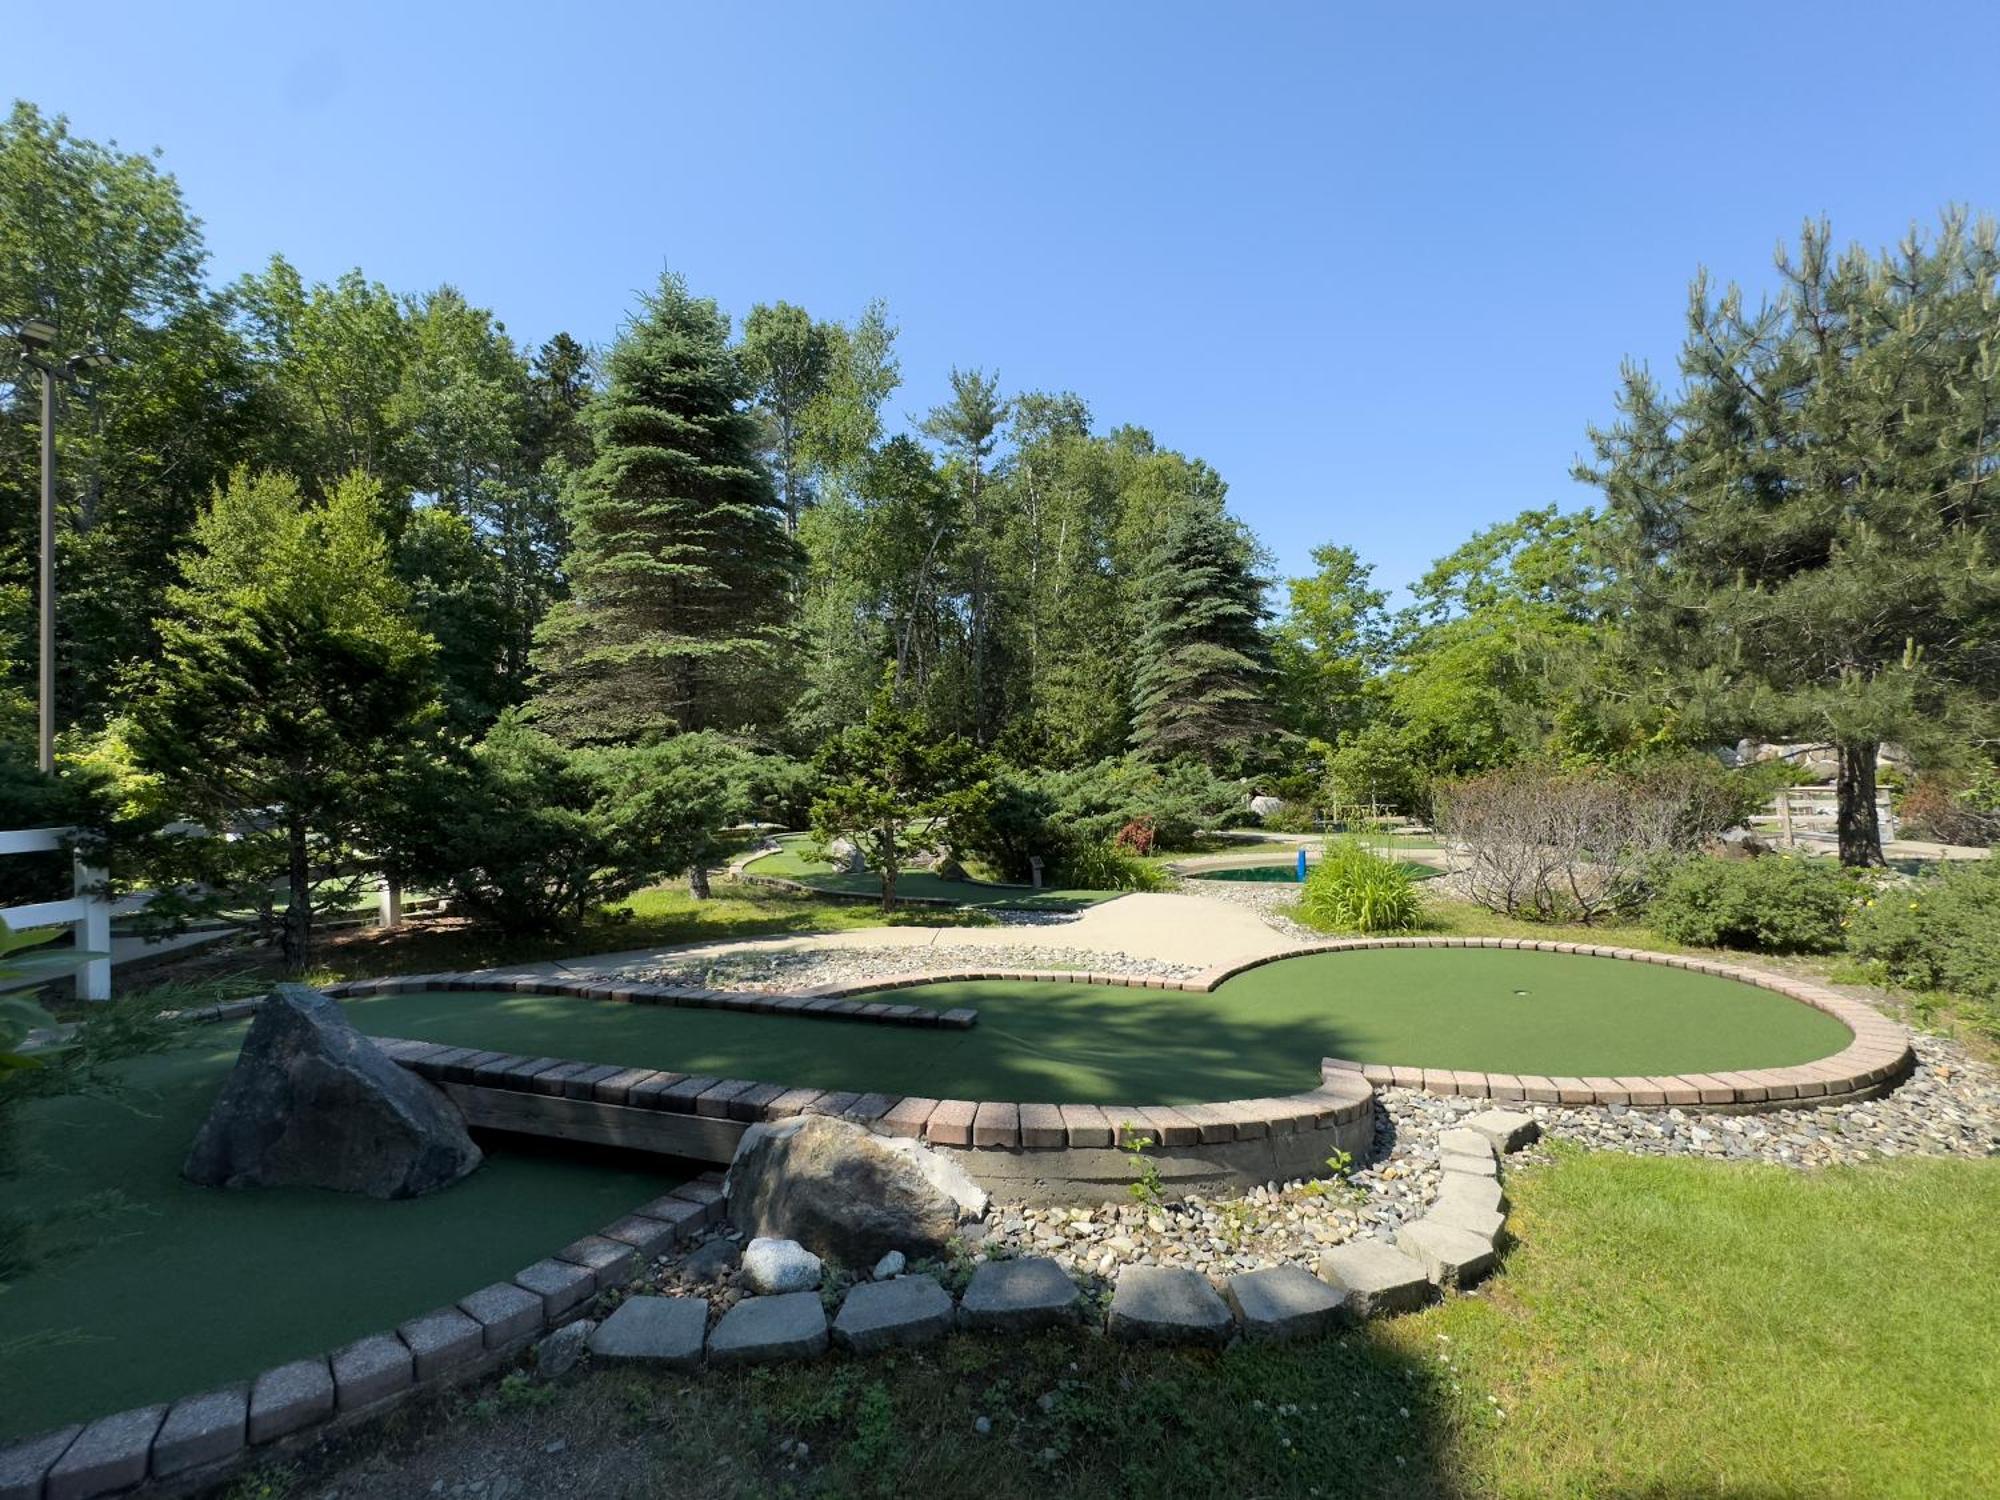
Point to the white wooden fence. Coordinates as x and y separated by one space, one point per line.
87 913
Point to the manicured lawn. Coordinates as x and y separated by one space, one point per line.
1263 1032
142 1288
789 862
1663 1328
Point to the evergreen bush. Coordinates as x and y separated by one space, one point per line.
1777 904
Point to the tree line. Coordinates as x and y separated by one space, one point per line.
336 558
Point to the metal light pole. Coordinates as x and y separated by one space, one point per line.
37 338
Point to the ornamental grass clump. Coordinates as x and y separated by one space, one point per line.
1354 889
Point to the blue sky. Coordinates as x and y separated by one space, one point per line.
1379 265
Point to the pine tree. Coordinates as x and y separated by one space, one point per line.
680 567
1808 529
293 693
1203 664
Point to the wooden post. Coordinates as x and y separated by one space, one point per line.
92 931
389 901
1785 818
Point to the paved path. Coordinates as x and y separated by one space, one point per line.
1175 929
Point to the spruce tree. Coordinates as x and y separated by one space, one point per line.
293 702
1807 531
680 568
1202 667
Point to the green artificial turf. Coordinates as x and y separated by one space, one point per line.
1263 1032
1288 873
141 1287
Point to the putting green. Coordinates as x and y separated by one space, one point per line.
789 862
1263 1032
1288 874
144 1288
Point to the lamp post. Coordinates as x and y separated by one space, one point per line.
37 338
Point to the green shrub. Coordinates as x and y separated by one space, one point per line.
1940 932
1106 867
1353 889
1773 905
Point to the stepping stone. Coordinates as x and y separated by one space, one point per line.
1450 1257
658 1330
1462 1142
1460 1213
758 1330
1470 1166
1013 1296
1378 1278
1507 1129
109 1454
1473 1192
201 1430
1168 1304
884 1314
1283 1302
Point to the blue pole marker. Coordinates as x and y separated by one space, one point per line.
1302 864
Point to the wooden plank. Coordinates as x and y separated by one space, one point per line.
559 1118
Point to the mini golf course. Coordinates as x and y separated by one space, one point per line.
144 1288
141 1287
1263 1032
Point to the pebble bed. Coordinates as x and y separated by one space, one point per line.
794 971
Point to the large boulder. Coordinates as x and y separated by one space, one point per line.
313 1103
846 1193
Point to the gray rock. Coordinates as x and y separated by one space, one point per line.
1013 1296
1168 1304
712 1259
758 1330
290 1397
201 1430
885 1314
1378 1278
1450 1256
556 1355
657 1330
890 1265
846 1193
1506 1129
312 1102
775 1266
1283 1302
109 1454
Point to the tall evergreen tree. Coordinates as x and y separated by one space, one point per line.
292 693
1203 663
1810 529
680 567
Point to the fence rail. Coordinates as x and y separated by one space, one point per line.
86 912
